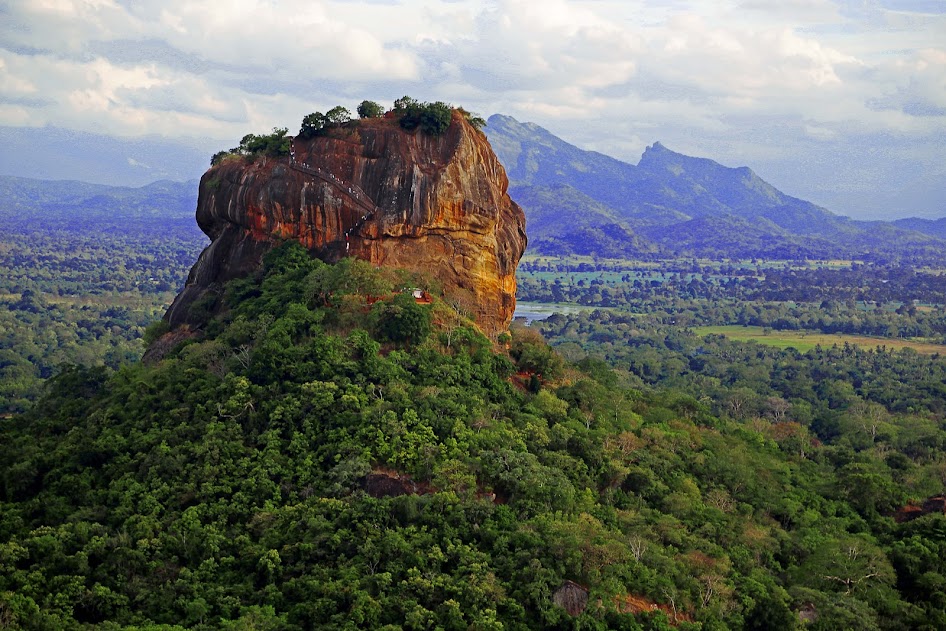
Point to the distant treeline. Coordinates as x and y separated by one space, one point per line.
870 300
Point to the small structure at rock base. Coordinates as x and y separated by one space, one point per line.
421 297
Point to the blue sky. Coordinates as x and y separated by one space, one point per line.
839 102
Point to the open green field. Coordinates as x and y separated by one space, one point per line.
632 264
807 340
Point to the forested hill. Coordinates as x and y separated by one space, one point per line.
58 204
677 205
932 227
328 453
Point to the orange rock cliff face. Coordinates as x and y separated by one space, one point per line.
372 190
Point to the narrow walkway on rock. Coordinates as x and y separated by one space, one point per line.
353 192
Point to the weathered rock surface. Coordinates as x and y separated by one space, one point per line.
371 190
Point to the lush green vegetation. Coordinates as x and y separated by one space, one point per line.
431 118
809 340
873 300
82 295
316 458
876 414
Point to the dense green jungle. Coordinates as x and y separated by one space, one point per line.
316 458
82 297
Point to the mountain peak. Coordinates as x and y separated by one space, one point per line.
658 199
508 126
658 154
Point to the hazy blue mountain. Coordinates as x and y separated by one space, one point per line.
932 227
71 204
53 153
700 187
563 219
576 201
674 204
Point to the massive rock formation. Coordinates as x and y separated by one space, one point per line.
435 204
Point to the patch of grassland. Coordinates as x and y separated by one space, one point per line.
806 340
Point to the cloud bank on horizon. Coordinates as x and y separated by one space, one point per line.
842 102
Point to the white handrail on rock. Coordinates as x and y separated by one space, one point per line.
353 191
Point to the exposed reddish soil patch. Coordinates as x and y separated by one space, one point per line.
935 504
630 603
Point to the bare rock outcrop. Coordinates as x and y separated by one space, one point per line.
435 204
571 597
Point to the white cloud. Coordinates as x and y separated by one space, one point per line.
12 85
820 133
614 74
15 115
85 60
285 39
745 67
547 45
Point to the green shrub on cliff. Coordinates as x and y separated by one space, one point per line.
315 123
312 124
273 145
477 121
431 118
370 109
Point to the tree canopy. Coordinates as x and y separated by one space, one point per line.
370 109
303 462
316 122
431 118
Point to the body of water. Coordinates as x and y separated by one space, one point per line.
533 311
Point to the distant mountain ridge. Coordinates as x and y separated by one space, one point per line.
575 201
932 227
584 202
54 153
73 204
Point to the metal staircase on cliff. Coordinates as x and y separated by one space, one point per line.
353 191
